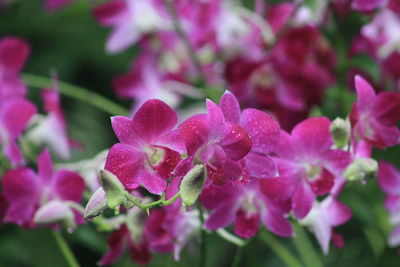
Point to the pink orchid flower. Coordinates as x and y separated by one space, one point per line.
367 5
389 181
123 239
246 206
263 131
374 117
55 5
145 81
52 129
149 148
307 165
323 217
15 113
45 194
216 142
131 20
13 55
169 229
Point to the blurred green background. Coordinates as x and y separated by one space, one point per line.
71 43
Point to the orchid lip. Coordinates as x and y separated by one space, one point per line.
155 155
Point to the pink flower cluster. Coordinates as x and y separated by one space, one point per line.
253 159
230 44
378 39
30 197
256 172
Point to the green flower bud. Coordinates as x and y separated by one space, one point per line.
361 169
340 130
113 189
192 184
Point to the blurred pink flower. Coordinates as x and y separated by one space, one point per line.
389 181
245 205
374 117
323 217
15 113
46 193
13 54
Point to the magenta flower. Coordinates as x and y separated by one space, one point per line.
389 181
169 229
46 193
130 20
54 5
13 54
323 217
15 114
307 165
374 117
149 149
367 5
284 81
145 81
123 239
216 142
263 131
245 205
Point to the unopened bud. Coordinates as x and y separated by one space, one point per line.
361 169
340 130
192 184
113 189
55 211
97 204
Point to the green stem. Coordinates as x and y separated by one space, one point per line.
231 238
203 234
161 201
305 248
66 251
76 92
171 200
280 250
238 256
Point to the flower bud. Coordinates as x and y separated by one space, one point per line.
96 205
340 130
55 211
113 189
192 183
361 169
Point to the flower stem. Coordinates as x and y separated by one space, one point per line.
161 201
203 234
76 92
171 200
66 251
305 248
280 250
238 256
231 238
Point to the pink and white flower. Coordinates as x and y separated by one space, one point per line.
323 217
44 196
389 181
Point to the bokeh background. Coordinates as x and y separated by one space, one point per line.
71 43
